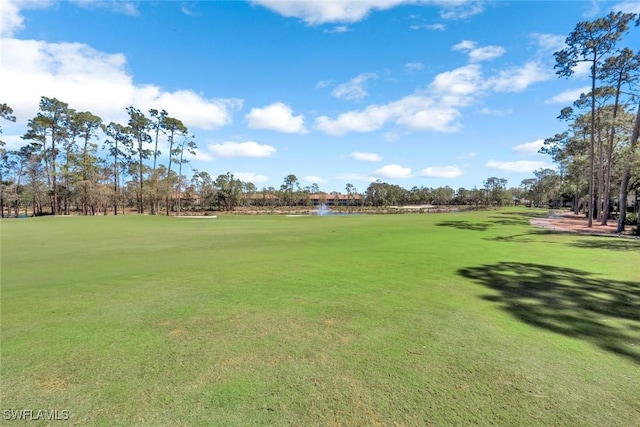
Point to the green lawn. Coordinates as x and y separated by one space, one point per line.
431 319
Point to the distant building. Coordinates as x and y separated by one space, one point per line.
336 199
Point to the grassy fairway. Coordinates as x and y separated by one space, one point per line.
435 319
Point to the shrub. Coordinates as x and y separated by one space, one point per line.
631 218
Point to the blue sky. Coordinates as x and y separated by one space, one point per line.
415 93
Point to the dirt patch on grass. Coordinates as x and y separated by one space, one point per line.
330 322
177 332
51 383
569 222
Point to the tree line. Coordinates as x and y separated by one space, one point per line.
597 155
60 169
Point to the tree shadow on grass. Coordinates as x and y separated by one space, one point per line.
567 301
525 237
612 243
509 221
516 218
500 218
465 225
609 243
513 238
536 214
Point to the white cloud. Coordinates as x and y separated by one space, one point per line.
479 54
460 81
371 118
434 27
486 53
315 12
278 117
436 118
14 142
568 96
241 149
454 9
392 135
353 90
594 10
323 11
495 113
519 166
184 9
627 7
88 79
529 147
442 172
549 42
126 7
367 157
192 109
518 79
434 110
413 67
458 87
582 69
324 83
312 179
467 155
201 155
355 177
393 172
251 177
11 21
464 45
338 29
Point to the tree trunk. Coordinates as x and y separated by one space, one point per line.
576 206
169 190
606 213
179 180
592 143
54 175
115 180
155 203
607 188
600 191
638 208
1 198
140 198
626 174
47 166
